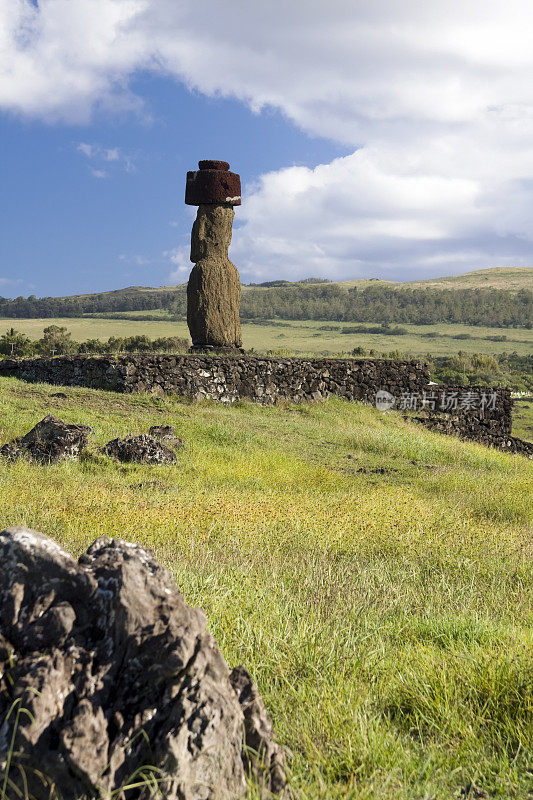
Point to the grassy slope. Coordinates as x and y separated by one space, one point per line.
386 618
523 419
298 337
511 278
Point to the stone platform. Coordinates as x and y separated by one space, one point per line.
227 378
482 414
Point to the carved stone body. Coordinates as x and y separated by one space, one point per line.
214 290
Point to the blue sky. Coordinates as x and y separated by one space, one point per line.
391 139
100 206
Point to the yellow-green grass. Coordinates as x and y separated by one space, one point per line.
508 278
299 337
307 337
385 617
523 419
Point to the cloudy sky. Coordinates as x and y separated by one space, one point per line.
391 138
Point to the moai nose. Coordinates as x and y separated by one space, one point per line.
213 184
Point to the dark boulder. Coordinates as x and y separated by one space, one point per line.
166 433
106 674
51 440
142 449
262 757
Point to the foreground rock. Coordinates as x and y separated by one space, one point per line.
116 672
263 758
143 449
50 441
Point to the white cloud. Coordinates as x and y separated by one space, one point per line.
374 213
179 257
105 155
14 282
137 259
437 97
97 151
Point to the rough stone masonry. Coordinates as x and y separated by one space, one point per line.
270 380
228 379
214 289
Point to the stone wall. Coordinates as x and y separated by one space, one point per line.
480 413
268 380
263 380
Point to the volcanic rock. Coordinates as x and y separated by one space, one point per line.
107 672
142 449
262 758
166 433
51 440
213 290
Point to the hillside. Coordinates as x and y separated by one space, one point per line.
367 301
510 279
507 278
373 577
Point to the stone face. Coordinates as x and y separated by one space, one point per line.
213 290
116 672
143 449
51 440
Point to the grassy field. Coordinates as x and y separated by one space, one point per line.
298 337
523 419
510 278
385 617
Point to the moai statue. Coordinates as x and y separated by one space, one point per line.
214 289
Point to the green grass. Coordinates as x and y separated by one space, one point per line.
304 337
523 419
510 278
385 617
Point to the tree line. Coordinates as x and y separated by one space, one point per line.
304 301
384 305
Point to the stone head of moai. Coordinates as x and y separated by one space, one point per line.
214 289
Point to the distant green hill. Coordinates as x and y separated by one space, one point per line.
507 278
499 297
510 279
